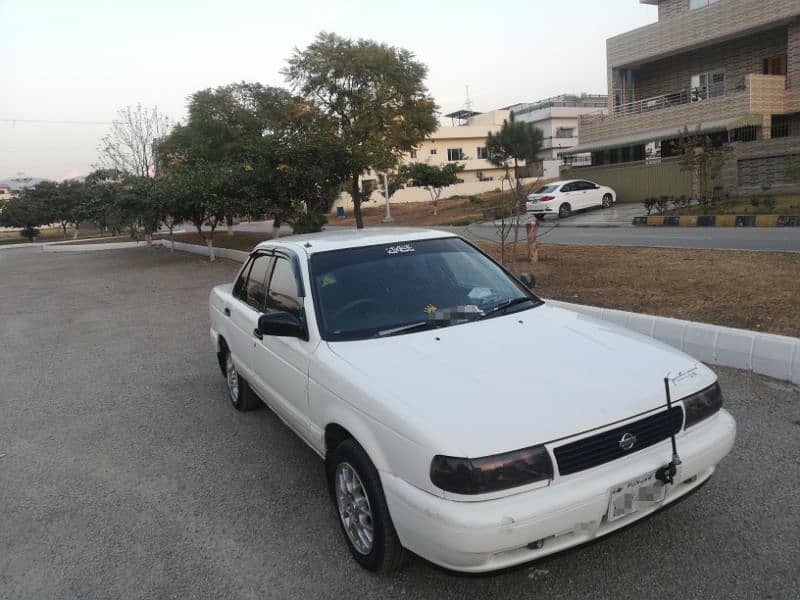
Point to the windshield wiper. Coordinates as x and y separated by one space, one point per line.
428 324
503 305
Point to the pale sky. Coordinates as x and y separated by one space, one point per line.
82 60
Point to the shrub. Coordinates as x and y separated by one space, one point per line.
30 233
475 200
649 204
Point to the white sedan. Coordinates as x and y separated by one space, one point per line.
403 358
563 198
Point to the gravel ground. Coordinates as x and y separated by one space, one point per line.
124 472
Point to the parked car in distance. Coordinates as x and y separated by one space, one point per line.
563 198
459 416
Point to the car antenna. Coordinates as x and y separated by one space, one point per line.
666 474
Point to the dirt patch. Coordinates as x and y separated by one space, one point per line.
751 290
458 210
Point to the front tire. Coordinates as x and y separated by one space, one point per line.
242 398
564 211
608 200
361 505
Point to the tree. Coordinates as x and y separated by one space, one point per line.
432 177
27 211
374 95
515 142
703 160
130 146
278 153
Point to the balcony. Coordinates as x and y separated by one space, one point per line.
718 22
744 101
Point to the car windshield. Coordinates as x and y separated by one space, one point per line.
546 189
399 288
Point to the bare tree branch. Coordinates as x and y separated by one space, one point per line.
130 145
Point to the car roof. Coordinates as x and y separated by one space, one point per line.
338 239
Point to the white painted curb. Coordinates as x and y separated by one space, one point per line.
764 353
236 255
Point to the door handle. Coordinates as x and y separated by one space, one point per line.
227 312
258 334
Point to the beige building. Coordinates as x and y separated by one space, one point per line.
463 142
728 68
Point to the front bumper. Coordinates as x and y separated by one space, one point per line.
495 534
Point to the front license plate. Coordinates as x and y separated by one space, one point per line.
634 495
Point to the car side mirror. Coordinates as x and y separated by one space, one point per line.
528 279
282 324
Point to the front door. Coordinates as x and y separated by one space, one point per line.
283 361
251 298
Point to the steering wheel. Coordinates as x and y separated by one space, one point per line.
352 305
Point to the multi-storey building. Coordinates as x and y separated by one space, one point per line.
726 68
557 117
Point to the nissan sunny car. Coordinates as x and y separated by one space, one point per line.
461 417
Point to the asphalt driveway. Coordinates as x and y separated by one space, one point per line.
124 472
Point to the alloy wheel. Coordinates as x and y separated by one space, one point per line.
354 508
232 377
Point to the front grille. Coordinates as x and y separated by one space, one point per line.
604 447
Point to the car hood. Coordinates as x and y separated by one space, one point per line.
509 382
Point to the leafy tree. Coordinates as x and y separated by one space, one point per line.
374 95
516 142
278 153
432 177
703 160
27 211
130 145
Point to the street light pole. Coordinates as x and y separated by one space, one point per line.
388 217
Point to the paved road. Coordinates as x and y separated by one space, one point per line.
124 473
779 239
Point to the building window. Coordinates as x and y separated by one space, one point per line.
775 65
482 153
565 132
700 3
454 154
708 85
433 151
414 153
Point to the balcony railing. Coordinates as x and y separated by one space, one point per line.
685 96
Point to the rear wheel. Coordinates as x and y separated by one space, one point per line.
238 391
363 512
608 200
564 211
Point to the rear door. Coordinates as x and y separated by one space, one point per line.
594 196
245 309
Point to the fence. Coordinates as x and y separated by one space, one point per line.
635 181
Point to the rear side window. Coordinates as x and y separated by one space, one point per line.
238 287
255 290
568 187
284 292
546 189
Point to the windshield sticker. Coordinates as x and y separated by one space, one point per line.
430 309
404 249
328 279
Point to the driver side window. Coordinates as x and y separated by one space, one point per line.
284 292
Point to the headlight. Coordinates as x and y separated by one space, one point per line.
492 473
702 405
